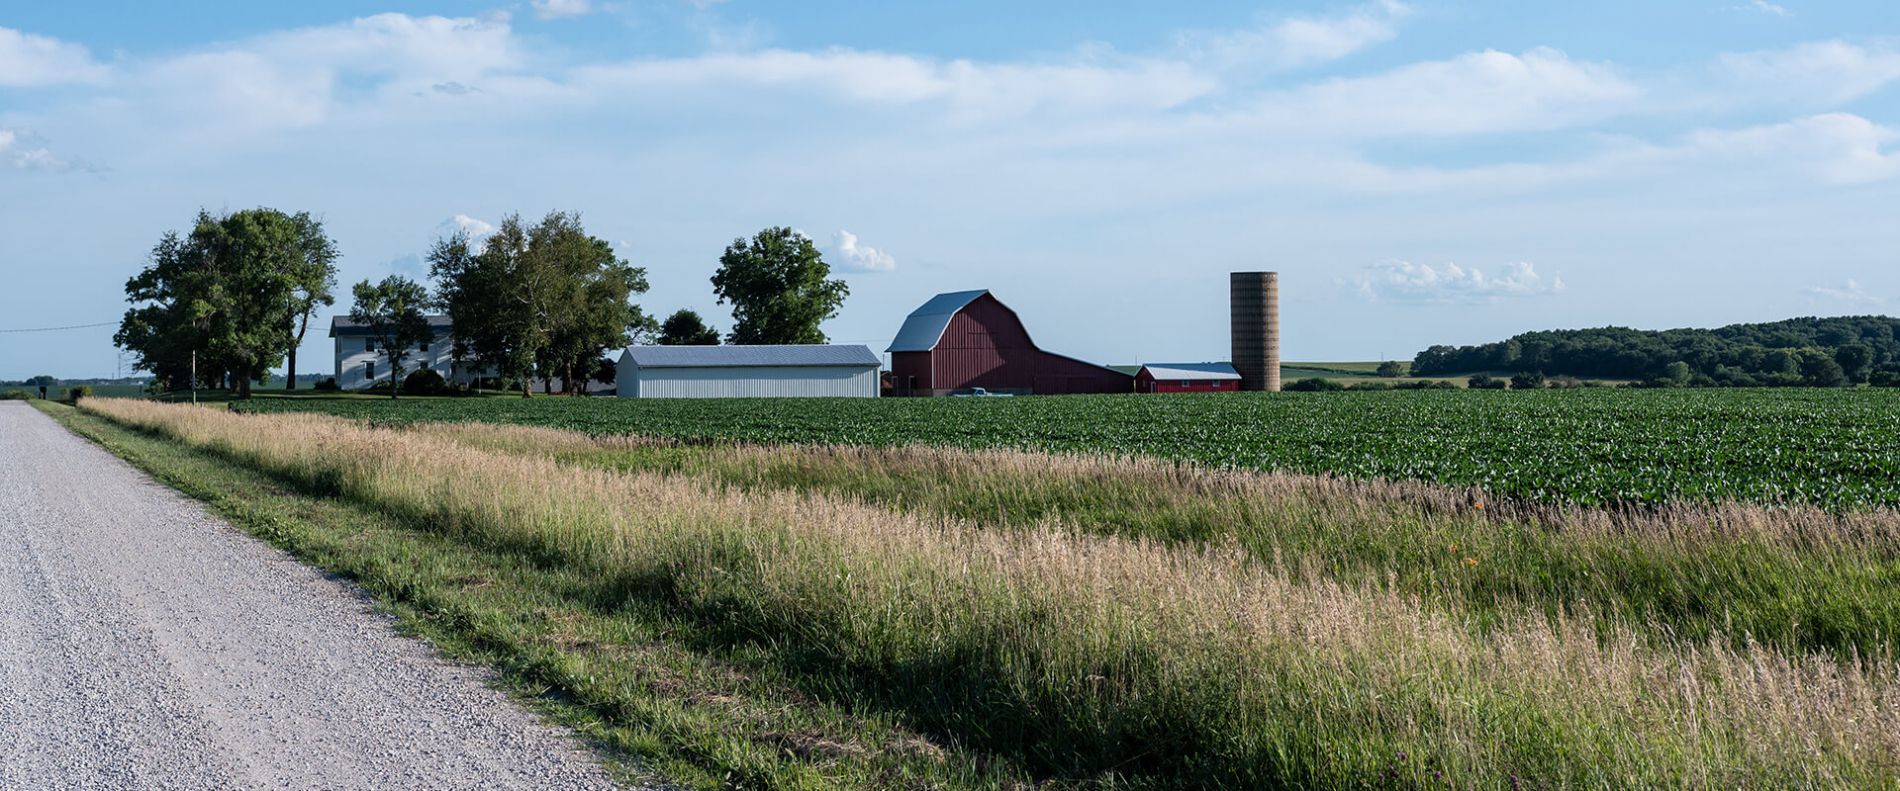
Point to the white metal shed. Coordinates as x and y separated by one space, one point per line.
796 371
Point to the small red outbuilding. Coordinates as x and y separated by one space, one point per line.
1187 378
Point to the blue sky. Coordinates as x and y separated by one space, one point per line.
1420 172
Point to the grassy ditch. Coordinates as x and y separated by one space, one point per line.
1093 659
565 641
1797 579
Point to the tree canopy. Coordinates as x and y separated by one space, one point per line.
545 300
1803 351
228 297
686 328
778 286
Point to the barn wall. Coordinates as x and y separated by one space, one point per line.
1059 375
754 382
985 346
910 370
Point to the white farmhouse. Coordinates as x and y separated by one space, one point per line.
359 364
814 370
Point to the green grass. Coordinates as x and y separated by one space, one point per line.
1832 448
1097 661
661 697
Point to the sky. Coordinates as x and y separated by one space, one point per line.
1419 172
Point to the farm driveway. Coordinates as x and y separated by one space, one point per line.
146 644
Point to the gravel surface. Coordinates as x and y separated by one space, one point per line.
146 644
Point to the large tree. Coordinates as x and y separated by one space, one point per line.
392 313
545 300
311 280
217 303
686 328
777 285
594 289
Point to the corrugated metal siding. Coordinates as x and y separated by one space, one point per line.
760 382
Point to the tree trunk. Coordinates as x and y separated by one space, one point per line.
303 326
243 384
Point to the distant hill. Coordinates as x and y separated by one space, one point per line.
1804 351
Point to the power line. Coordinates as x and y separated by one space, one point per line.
56 329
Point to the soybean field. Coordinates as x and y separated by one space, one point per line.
1838 449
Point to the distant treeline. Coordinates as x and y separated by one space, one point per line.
1820 352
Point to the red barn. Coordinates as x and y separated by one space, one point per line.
970 339
1187 378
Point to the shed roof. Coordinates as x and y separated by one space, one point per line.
788 356
925 325
345 326
1192 371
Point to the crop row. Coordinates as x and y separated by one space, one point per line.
1834 448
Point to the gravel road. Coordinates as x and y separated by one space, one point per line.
146 644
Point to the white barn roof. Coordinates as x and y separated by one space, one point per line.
925 325
1191 371
789 356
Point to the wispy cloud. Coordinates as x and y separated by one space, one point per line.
860 256
1299 41
556 9
1764 7
1404 281
1848 293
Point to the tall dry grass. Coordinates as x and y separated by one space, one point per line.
1092 657
1799 579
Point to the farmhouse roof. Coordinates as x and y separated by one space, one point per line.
1192 371
925 325
343 326
797 356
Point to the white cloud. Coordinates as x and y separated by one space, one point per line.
1474 93
1404 281
478 230
1765 7
1816 72
1299 41
24 151
555 9
966 88
861 257
28 61
1848 293
293 78
1837 148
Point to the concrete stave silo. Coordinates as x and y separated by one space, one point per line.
1254 303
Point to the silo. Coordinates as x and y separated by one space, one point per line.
1254 299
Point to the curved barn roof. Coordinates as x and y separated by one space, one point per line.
925 325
